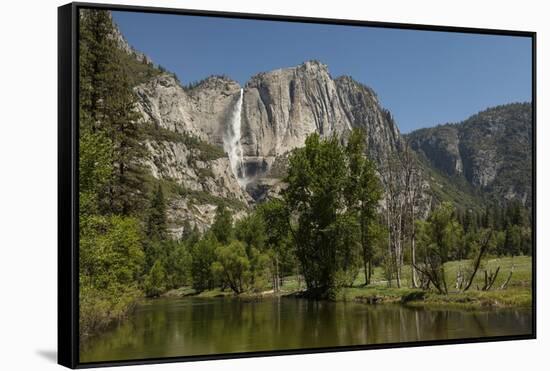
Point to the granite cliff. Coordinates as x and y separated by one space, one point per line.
491 151
277 111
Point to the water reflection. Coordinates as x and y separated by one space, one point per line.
195 326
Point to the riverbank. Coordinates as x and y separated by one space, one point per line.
191 325
516 294
472 299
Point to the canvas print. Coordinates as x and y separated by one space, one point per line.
257 185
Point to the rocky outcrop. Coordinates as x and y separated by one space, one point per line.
197 118
201 111
492 150
441 146
280 109
363 110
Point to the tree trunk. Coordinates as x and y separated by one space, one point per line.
370 270
505 284
482 250
414 279
365 263
400 240
277 277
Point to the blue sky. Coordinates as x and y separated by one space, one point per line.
423 77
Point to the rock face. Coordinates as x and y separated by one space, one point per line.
197 118
201 111
492 150
282 107
279 110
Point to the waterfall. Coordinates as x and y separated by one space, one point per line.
232 143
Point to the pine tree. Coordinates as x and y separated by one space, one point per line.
222 228
156 219
107 106
155 280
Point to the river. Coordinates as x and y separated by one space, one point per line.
169 327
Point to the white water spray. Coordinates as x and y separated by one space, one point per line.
232 143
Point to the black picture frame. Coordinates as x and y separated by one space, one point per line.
68 244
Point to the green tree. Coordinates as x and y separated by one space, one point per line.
95 171
222 227
251 230
180 263
362 192
155 281
111 261
317 178
107 104
203 254
438 236
233 267
343 239
156 217
513 240
278 240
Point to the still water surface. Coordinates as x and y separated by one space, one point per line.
171 327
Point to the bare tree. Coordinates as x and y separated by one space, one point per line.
395 208
477 261
412 179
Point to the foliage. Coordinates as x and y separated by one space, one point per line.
155 280
178 263
325 180
362 192
156 218
233 266
137 72
278 239
222 228
437 237
203 255
111 260
107 104
95 171
251 230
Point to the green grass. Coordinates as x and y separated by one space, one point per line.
215 293
517 293
521 278
511 297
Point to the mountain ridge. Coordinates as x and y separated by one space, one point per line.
491 150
